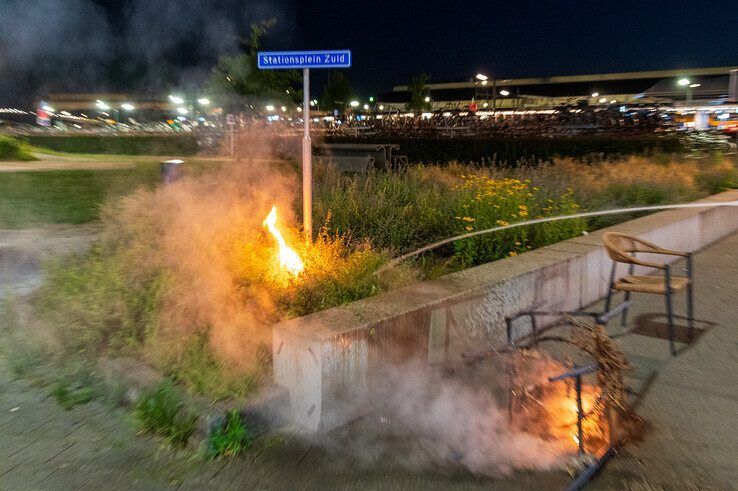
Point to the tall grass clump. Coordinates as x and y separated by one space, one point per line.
230 439
389 210
163 412
14 149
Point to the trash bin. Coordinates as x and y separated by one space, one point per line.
171 170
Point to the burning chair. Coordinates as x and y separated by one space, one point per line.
622 249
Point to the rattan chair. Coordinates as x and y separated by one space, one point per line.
622 249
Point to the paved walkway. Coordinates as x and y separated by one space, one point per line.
690 402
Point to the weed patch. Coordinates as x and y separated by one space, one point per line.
230 439
163 412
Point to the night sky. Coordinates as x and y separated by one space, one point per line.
154 45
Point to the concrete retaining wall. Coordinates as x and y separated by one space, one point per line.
327 360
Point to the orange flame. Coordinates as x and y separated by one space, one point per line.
288 258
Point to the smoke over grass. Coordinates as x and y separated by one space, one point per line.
187 276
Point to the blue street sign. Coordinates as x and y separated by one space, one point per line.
281 60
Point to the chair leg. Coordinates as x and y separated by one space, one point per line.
624 318
670 311
690 298
610 290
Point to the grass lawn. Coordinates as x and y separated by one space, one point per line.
30 199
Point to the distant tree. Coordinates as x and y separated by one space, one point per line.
237 80
337 93
419 92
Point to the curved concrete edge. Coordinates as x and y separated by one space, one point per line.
329 359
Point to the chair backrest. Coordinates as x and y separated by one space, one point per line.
619 246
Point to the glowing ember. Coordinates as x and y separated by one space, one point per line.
288 258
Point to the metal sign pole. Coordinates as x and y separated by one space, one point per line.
307 160
291 60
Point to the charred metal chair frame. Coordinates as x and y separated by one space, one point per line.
622 248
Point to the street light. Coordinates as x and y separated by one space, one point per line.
482 77
504 93
354 103
203 101
176 99
269 108
427 99
127 106
366 107
685 82
381 108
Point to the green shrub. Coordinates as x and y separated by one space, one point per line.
229 439
14 149
163 412
489 203
716 180
179 145
390 210
202 373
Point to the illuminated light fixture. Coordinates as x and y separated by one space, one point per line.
595 94
101 105
446 114
485 105
613 101
312 103
269 107
427 99
366 107
182 110
204 101
505 93
381 108
127 106
692 86
66 113
176 99
284 109
371 99
482 77
299 109
354 103
683 81
603 100
48 109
